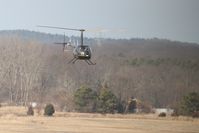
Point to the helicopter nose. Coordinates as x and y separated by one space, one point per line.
82 53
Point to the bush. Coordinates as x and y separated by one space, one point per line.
121 107
106 102
131 105
30 111
176 110
190 104
49 110
195 114
175 114
162 114
85 99
145 107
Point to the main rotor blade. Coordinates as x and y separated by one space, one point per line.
104 30
60 28
65 43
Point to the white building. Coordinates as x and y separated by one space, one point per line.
168 111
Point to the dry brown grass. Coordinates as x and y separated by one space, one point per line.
14 120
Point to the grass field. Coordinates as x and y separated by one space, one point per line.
14 120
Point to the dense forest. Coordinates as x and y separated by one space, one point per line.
157 71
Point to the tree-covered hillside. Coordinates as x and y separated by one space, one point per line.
159 72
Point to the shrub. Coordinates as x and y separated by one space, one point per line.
145 107
190 104
137 106
120 107
176 110
106 102
85 99
30 111
49 110
162 114
175 114
195 114
131 105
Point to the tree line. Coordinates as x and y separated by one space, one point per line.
32 71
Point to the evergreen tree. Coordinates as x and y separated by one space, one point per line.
85 99
107 102
190 103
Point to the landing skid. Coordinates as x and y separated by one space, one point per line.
72 61
89 62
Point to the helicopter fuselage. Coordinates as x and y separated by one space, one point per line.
82 52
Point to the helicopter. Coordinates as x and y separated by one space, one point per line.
80 52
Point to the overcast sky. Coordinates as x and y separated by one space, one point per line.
168 19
